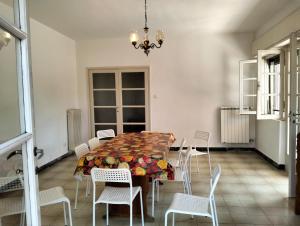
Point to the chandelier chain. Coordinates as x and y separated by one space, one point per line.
146 19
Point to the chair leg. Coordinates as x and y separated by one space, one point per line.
166 218
153 195
142 209
94 212
65 213
130 207
70 214
191 167
197 164
173 219
107 214
87 187
215 211
76 194
157 190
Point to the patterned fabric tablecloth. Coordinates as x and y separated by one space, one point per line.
142 153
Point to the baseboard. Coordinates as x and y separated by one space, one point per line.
275 164
49 164
224 149
216 149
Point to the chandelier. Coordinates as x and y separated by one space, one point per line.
145 44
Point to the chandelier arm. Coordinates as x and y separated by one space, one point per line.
153 45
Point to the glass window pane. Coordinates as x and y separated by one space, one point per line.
103 127
133 97
104 98
133 80
11 180
133 128
105 115
9 94
133 114
104 80
7 10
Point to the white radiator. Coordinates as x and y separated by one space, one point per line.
234 127
74 128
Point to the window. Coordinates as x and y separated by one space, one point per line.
262 85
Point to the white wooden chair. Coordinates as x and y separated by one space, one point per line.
196 205
175 162
94 143
203 137
115 195
15 205
107 133
81 150
181 174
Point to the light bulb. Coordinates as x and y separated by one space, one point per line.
134 37
160 35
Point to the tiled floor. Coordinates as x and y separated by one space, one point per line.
250 192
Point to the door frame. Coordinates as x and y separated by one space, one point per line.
20 30
118 69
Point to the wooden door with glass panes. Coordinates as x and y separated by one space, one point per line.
119 99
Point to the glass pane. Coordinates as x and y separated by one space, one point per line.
250 70
9 95
105 115
11 184
133 114
250 103
7 10
104 80
104 98
103 127
133 128
133 97
133 80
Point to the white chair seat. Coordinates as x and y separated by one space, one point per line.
52 196
11 206
173 162
15 205
117 195
194 152
190 204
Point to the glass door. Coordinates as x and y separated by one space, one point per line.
104 102
119 99
134 101
18 182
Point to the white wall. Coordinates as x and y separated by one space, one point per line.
190 78
278 32
54 88
271 139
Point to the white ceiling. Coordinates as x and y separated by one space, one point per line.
90 19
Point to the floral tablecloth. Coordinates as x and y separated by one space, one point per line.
142 153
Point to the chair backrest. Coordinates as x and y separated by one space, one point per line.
184 165
214 180
107 133
182 143
81 150
111 175
12 183
94 143
203 136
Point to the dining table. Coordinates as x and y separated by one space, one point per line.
144 153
